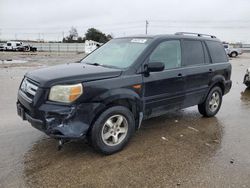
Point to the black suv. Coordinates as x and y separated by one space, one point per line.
106 95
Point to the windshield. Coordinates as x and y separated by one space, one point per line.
120 53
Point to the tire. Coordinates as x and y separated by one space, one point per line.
106 135
233 54
212 104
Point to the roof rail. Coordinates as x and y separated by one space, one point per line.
198 34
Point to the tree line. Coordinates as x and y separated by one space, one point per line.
91 34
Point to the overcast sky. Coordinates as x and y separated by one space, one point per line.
229 20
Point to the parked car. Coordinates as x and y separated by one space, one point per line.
1 47
231 51
247 78
27 48
106 96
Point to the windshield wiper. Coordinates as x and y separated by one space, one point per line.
98 64
95 64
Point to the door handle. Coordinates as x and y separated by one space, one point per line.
210 70
180 75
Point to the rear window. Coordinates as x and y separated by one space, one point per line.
193 53
217 51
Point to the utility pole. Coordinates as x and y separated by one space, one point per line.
146 27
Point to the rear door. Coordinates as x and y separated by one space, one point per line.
221 66
198 71
164 90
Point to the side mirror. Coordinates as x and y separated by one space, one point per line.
155 67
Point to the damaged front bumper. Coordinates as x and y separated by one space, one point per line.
61 123
246 80
58 121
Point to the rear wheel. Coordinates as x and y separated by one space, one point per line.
112 130
212 104
234 54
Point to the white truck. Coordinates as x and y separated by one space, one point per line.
91 45
12 45
231 51
18 46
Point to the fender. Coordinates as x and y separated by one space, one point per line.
110 96
119 94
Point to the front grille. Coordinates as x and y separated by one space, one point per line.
28 89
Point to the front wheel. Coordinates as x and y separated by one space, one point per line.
112 130
212 104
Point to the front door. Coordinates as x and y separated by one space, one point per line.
164 90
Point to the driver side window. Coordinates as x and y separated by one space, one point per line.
169 53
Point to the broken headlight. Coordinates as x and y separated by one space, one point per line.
65 93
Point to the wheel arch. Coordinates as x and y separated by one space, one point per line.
217 80
120 97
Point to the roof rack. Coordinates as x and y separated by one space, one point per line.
198 34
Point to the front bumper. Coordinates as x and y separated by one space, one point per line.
58 121
246 80
61 124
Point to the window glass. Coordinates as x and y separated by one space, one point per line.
217 51
225 45
8 44
169 53
207 58
193 52
120 53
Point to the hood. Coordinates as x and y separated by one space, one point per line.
71 73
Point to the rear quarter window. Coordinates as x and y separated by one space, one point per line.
217 51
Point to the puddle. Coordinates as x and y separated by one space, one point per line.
11 61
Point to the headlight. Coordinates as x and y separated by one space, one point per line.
65 93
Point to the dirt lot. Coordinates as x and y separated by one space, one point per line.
180 149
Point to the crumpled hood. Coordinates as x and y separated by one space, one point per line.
71 73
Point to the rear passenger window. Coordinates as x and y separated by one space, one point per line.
169 53
217 51
193 53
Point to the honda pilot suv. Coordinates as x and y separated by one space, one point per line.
106 95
